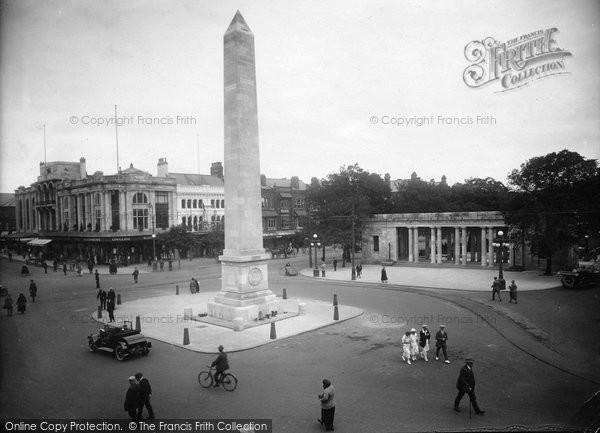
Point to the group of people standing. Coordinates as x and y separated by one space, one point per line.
21 300
107 302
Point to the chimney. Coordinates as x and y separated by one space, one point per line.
162 168
216 169
295 182
263 180
82 168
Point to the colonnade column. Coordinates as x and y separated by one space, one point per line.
456 246
411 247
416 243
483 247
464 245
491 246
432 244
439 245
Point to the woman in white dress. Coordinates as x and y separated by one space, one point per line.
406 347
414 344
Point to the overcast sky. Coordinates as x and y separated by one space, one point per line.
326 72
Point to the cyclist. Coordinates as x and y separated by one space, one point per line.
221 365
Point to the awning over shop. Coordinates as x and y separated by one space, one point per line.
39 242
300 212
26 240
269 213
285 194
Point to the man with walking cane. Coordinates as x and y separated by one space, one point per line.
466 385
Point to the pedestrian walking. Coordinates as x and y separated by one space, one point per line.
440 343
97 278
132 399
45 266
384 278
21 303
358 270
496 289
8 305
194 286
55 264
32 290
334 264
414 344
145 394
512 292
424 337
323 268
466 385
162 265
64 266
406 347
170 264
135 274
110 304
90 264
101 296
327 399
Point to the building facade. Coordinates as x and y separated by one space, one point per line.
459 238
69 213
98 216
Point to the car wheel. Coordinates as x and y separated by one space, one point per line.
120 352
92 345
568 281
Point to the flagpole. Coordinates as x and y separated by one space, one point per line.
198 148
44 144
117 139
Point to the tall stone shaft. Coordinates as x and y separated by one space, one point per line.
244 271
243 217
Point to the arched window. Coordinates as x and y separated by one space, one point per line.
189 203
223 204
195 205
183 204
140 198
183 221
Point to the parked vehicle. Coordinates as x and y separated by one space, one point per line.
587 274
123 341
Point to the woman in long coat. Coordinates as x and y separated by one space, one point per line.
21 303
406 347
383 275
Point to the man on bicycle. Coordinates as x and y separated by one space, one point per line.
220 365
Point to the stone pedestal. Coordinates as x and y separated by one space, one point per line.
245 289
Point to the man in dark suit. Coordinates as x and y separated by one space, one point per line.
466 385
221 365
145 394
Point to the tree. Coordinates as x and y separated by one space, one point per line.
344 197
550 202
178 238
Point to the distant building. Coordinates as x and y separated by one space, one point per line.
284 210
398 184
8 222
70 213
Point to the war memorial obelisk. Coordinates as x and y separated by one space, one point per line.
244 286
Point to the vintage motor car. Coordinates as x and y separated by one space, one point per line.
123 341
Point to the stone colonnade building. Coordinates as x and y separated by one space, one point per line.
458 238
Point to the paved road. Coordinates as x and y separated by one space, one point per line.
48 372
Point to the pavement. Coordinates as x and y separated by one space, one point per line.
164 318
437 277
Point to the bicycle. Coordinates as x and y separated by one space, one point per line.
228 380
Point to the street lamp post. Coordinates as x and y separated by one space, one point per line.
153 237
316 244
499 243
